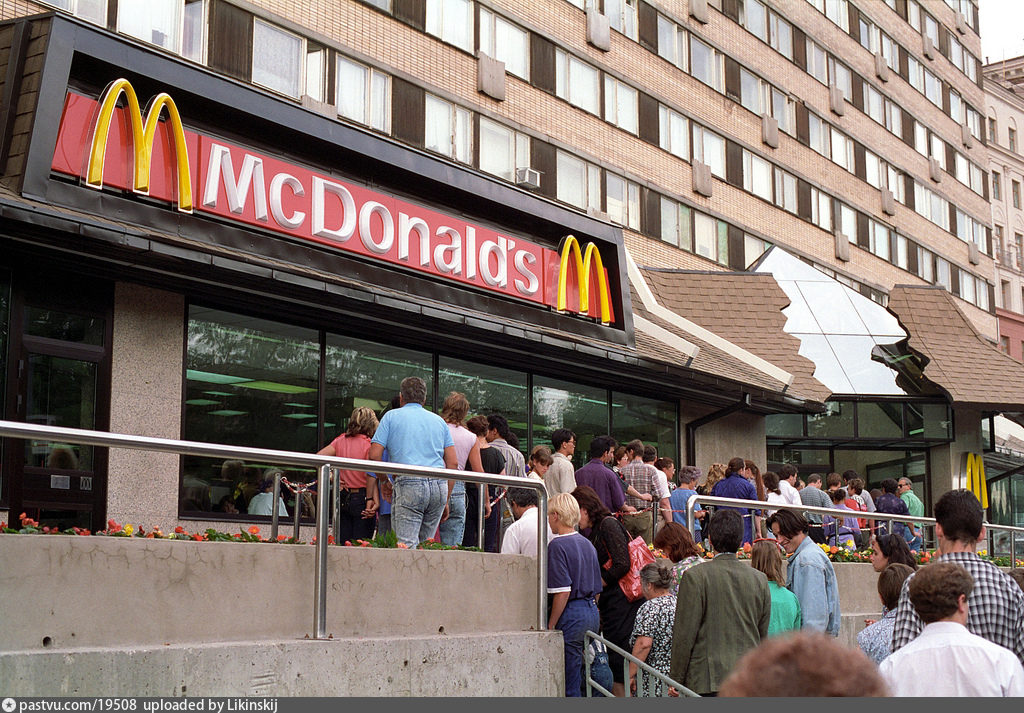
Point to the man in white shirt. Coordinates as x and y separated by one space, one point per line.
521 536
561 474
946 659
787 484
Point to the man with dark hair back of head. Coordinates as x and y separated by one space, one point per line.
722 611
946 659
561 476
735 485
637 475
499 435
815 497
875 640
890 503
804 664
597 474
521 536
809 573
995 605
787 484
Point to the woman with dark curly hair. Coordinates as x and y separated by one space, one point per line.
611 541
889 549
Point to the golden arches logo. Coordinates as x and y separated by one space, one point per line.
143 135
976 477
583 261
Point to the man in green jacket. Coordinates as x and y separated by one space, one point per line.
916 508
722 611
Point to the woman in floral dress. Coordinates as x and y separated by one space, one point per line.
652 631
676 543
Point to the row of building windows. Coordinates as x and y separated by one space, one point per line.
363 94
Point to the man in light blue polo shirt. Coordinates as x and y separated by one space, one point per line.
414 436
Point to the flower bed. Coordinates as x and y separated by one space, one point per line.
252 534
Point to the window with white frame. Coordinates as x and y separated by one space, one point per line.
763 98
705 63
874 104
757 175
902 252
755 18
753 248
620 104
363 94
973 119
447 129
842 149
819 135
894 181
281 60
710 238
874 40
956 106
874 169
838 12
926 264
970 230
675 224
673 132
622 16
914 14
502 150
709 148
785 190
505 42
841 77
577 82
931 205
967 287
158 22
915 74
817 61
846 221
94 11
931 30
997 186
920 138
579 182
821 209
193 33
780 35
316 71
942 273
623 200
938 150
672 42
878 237
932 87
452 21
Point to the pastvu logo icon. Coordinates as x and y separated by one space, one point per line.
9 705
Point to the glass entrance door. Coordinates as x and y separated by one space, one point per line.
60 377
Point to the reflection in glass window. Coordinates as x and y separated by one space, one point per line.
278 64
92 10
753 248
579 182
651 420
452 21
505 42
559 404
577 82
193 36
155 21
835 422
502 150
447 129
880 419
711 238
363 94
489 389
248 382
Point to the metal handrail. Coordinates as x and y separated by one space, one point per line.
696 499
323 464
627 657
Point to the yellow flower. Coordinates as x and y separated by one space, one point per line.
982 552
128 530
825 548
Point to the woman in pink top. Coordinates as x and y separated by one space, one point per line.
467 453
359 499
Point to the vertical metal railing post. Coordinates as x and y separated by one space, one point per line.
542 558
320 567
336 503
274 515
482 489
299 492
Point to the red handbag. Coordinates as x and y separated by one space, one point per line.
640 555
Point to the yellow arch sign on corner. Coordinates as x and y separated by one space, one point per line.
583 261
143 135
975 472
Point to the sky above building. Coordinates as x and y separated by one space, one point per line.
1002 29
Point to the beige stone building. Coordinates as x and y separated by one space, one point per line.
679 137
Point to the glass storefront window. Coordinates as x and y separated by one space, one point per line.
650 420
559 404
5 326
835 422
784 424
67 327
249 382
929 421
489 389
364 373
880 419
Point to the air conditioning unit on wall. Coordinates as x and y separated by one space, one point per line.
528 177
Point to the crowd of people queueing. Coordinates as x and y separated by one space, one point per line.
706 623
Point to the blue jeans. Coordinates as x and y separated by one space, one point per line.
453 529
417 508
579 616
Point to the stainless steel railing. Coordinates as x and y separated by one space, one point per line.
698 499
323 465
627 658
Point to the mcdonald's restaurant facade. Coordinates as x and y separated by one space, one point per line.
184 256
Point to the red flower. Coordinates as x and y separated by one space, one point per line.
282 538
197 538
330 539
254 530
179 530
